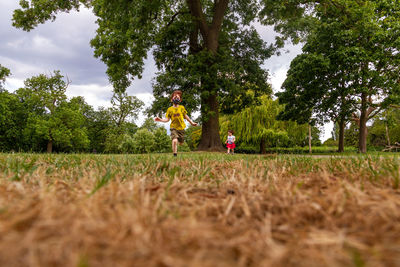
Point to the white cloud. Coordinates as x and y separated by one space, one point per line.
13 84
277 78
327 131
95 95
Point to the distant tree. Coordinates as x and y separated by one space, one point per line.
98 123
330 142
350 64
298 134
13 119
150 124
351 134
124 108
385 129
314 92
143 141
162 141
50 117
257 125
123 112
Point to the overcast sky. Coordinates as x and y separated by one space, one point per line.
64 45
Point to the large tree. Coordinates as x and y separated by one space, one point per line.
315 89
51 117
350 66
208 49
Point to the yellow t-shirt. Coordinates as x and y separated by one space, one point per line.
176 114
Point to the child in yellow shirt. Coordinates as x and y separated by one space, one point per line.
176 113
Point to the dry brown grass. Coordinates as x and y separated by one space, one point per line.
198 211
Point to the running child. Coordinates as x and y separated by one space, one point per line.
176 113
230 142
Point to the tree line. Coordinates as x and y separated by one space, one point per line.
348 71
40 118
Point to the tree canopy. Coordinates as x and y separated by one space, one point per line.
50 115
350 65
208 49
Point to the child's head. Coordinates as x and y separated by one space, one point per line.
230 132
177 96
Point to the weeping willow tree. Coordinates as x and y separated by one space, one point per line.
257 125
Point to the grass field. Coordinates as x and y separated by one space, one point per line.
199 210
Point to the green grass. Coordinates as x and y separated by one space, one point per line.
199 209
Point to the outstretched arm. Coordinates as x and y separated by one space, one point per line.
161 120
190 121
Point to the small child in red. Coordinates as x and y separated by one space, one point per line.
230 142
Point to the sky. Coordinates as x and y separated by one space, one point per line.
65 45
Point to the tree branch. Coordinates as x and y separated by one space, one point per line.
174 16
372 114
197 12
220 7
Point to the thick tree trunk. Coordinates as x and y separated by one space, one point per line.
362 140
341 136
210 139
262 146
50 146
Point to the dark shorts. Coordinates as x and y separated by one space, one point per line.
177 134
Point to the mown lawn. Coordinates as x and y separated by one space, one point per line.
199 209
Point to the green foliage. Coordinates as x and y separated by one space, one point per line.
257 126
231 73
124 111
99 125
330 142
4 73
51 118
184 147
13 119
162 141
150 124
192 136
350 63
208 49
124 108
143 141
114 141
251 124
351 135
386 128
40 113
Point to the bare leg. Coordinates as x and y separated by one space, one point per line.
175 145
